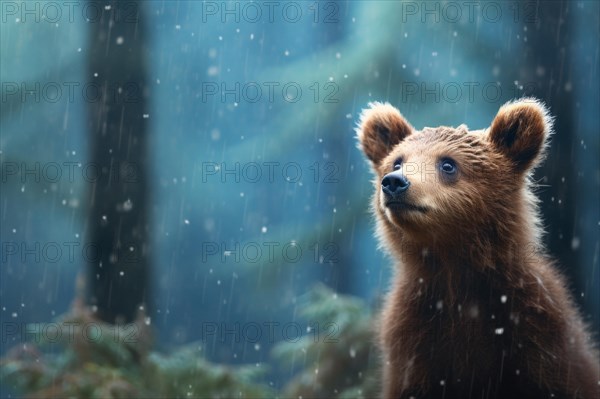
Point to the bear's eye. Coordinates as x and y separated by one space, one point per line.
448 166
397 163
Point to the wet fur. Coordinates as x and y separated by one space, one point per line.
476 309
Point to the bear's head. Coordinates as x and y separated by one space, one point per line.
438 183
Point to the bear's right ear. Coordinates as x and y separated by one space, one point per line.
380 128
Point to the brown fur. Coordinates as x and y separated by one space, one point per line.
477 309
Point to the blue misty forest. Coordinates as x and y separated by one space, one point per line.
184 210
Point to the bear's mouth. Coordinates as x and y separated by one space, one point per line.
403 206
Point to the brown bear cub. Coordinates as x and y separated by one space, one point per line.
477 309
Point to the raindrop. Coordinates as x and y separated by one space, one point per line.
286 53
127 205
212 71
263 229
540 71
474 311
186 221
120 40
575 243
499 331
503 299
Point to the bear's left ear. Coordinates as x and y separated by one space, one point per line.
520 130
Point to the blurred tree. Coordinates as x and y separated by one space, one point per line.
118 221
547 72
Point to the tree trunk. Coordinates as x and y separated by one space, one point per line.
118 224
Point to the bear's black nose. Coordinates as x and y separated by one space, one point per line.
394 183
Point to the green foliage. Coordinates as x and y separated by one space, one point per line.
99 360
341 361
186 374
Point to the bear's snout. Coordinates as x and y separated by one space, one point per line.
394 184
